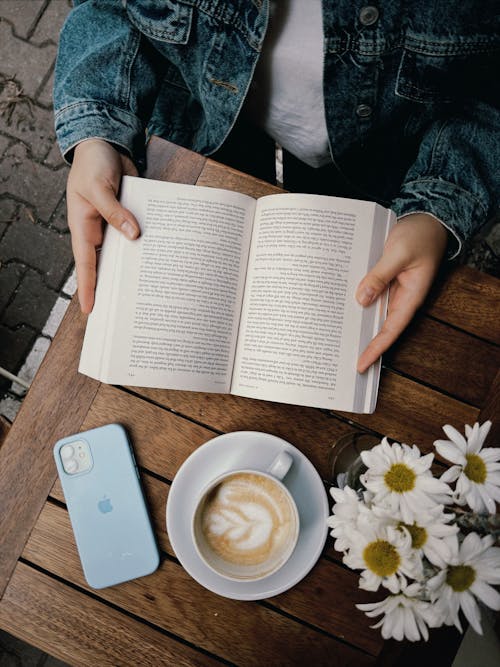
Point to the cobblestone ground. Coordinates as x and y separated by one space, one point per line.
35 253
36 266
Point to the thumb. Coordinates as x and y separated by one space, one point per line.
378 279
105 201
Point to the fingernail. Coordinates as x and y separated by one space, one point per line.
128 229
365 297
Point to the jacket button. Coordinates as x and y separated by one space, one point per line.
364 110
368 15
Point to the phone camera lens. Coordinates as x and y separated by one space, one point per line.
67 451
71 465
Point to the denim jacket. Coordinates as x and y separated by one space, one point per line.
411 90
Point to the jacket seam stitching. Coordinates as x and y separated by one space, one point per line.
454 186
101 103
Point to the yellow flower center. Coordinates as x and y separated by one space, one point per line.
381 557
417 533
475 468
400 478
460 577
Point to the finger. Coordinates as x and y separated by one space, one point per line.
105 201
128 167
85 263
378 279
398 319
86 228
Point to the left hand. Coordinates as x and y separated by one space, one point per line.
411 258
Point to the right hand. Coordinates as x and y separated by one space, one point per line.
93 183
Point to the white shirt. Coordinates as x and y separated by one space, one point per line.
286 94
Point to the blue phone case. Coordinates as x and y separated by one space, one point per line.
106 506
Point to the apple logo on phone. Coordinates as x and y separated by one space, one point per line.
105 505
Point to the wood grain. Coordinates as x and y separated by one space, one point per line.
81 630
412 413
446 358
469 300
173 438
168 162
55 406
173 601
406 411
491 410
307 600
216 175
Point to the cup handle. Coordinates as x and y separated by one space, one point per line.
281 465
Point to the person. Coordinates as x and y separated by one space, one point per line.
395 102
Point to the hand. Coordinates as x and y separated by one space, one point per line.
410 261
92 186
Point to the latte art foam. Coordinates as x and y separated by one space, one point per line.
247 519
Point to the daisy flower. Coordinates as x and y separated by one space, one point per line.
476 470
400 479
384 554
346 511
428 532
474 565
405 616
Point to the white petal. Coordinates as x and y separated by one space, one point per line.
456 437
450 452
411 630
437 552
369 581
471 611
433 485
398 629
490 453
473 440
488 595
484 429
488 501
451 474
470 548
435 582
493 491
423 628
423 463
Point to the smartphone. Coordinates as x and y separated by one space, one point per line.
101 485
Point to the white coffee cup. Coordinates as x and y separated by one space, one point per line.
245 525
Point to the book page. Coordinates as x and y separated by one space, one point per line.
300 330
177 290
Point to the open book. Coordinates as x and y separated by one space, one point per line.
225 293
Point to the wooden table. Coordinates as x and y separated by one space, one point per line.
443 371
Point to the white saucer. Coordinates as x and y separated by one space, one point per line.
248 449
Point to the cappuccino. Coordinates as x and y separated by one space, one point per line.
246 526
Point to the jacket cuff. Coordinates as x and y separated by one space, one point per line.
96 120
458 210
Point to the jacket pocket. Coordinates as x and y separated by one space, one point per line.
440 71
167 21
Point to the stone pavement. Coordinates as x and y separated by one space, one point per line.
35 252
36 279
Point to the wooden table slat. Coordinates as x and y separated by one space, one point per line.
27 470
81 630
412 413
407 411
168 162
172 600
216 175
469 300
441 356
308 600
